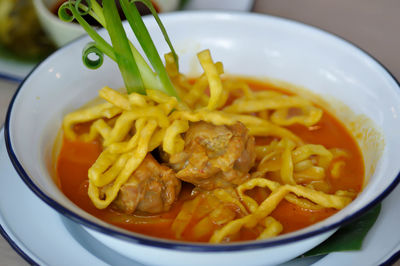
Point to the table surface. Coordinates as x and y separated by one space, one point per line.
371 25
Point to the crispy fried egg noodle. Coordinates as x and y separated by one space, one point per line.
131 126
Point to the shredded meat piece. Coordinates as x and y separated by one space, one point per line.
215 156
152 188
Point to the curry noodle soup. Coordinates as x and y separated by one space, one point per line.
235 159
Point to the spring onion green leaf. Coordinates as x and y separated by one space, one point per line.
126 62
88 51
135 21
161 26
136 73
97 12
100 42
82 9
64 14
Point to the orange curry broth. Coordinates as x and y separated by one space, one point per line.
76 157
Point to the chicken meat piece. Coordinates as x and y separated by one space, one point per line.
215 156
152 188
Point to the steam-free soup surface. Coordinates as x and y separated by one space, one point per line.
76 157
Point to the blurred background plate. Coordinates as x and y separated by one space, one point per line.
14 69
238 5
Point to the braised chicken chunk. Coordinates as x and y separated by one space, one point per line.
215 156
152 188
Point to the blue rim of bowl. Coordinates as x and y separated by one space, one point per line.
189 246
394 258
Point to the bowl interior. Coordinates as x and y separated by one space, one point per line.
250 45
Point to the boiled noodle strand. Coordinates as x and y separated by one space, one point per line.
130 126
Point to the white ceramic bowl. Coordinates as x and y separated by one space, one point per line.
247 44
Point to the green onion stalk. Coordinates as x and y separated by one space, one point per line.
136 73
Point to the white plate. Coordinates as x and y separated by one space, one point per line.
12 69
43 237
32 226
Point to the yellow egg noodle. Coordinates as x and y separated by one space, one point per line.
130 126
